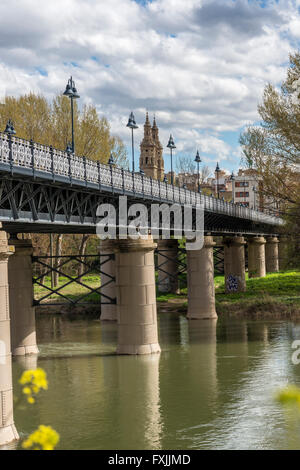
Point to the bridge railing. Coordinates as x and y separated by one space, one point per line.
16 152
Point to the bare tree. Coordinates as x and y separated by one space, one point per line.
185 164
204 173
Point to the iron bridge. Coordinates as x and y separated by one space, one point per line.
44 190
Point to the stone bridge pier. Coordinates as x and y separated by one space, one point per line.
272 258
201 287
22 312
136 297
234 264
256 257
8 432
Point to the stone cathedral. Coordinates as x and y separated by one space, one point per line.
151 156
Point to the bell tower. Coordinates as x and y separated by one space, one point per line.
151 160
158 152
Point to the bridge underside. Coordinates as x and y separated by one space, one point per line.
45 207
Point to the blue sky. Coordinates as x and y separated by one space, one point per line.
199 65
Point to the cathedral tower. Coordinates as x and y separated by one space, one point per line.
151 158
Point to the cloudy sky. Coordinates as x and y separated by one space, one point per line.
199 65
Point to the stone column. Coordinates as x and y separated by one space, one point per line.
283 253
8 432
108 311
201 287
234 264
22 312
167 266
272 263
256 257
136 297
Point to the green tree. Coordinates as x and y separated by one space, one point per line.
273 147
50 123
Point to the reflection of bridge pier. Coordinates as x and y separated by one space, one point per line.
138 378
203 340
237 339
195 362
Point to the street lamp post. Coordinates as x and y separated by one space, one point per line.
171 146
218 171
71 92
232 178
198 161
9 129
132 125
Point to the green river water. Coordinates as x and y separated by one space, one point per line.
212 386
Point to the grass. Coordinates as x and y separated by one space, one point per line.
276 294
73 291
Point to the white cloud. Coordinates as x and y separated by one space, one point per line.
200 65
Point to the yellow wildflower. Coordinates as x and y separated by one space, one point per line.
44 438
34 381
289 395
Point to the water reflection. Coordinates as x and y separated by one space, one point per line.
138 402
211 387
28 362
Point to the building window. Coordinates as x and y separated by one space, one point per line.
146 160
242 194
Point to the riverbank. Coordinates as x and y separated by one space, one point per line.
275 296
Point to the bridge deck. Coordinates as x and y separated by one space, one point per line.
42 187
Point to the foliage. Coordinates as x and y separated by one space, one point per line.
50 124
273 148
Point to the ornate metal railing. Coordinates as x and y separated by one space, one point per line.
16 153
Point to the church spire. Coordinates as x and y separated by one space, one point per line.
147 122
147 131
151 159
155 131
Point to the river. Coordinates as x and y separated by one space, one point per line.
212 386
